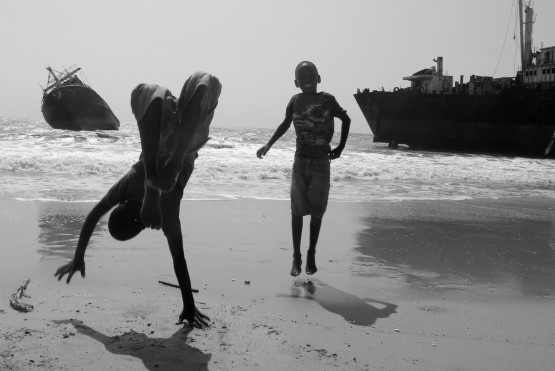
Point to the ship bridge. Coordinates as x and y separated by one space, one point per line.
540 71
431 80
538 67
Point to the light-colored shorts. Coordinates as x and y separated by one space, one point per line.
310 186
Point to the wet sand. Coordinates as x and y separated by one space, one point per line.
426 285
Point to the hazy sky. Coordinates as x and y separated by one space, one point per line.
253 46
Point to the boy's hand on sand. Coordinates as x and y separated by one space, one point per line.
198 320
262 151
70 268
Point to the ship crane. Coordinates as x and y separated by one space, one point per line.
57 80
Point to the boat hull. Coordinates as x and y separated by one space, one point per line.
515 122
77 107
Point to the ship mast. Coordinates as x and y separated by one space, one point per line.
526 30
522 59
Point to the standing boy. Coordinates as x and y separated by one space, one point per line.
150 194
312 115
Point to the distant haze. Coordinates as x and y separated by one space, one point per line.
253 46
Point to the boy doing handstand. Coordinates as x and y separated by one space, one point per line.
150 194
312 115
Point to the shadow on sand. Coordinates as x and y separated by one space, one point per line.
438 244
156 353
355 310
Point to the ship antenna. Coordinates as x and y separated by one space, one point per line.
505 39
515 57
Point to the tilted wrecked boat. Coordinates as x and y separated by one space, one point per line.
68 103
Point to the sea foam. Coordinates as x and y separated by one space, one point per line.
38 162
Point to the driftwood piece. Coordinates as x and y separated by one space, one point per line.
174 285
15 298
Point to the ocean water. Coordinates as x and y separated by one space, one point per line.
41 163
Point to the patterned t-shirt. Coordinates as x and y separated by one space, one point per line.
312 116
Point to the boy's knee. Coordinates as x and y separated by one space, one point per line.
316 216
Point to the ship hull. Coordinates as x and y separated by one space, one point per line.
515 122
77 107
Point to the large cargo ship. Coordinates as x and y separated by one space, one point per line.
68 103
512 115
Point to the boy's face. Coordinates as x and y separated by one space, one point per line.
307 78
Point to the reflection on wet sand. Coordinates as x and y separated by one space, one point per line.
172 353
362 312
60 225
437 244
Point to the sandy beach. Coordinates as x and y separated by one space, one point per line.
408 285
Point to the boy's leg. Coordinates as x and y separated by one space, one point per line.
297 229
315 224
299 208
317 194
191 128
149 130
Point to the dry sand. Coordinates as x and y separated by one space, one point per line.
410 285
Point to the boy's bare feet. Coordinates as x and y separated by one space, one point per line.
311 263
296 269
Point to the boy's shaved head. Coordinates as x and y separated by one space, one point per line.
125 220
307 65
306 77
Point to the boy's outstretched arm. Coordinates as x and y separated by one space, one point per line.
78 261
190 313
281 129
345 126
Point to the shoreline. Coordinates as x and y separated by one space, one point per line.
401 285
